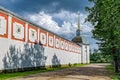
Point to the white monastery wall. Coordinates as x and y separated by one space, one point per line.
22 45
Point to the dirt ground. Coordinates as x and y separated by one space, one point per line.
88 72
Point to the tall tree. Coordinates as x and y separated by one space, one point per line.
105 16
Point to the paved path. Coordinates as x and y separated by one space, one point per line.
89 72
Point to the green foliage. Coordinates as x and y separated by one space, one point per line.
98 57
105 17
69 64
114 76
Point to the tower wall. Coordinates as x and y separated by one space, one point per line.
85 55
88 54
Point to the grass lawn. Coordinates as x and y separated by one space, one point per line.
4 76
113 75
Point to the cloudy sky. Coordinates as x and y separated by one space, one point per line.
58 16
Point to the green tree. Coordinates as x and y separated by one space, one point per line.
105 16
98 57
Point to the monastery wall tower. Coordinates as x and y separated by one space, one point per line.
82 41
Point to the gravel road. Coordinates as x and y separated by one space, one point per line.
88 72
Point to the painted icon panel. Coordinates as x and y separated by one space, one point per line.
33 34
43 37
3 25
51 40
62 44
18 29
66 45
57 42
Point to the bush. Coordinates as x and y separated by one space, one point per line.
98 57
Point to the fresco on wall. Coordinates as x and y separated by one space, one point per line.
43 38
51 40
18 30
57 43
2 25
72 48
66 46
62 44
69 47
33 34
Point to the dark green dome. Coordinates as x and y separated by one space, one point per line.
80 39
77 39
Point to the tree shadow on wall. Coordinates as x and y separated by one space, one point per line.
32 57
55 62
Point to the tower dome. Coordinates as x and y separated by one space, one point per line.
78 38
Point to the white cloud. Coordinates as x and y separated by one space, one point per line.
72 18
69 22
66 16
44 20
